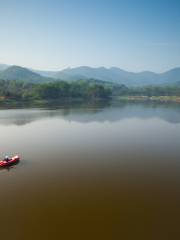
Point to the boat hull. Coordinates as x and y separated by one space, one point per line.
11 161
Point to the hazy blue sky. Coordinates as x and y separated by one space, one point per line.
52 34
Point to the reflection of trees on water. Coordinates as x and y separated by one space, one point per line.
92 112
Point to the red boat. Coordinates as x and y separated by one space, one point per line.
11 161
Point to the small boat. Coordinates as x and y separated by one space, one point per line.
11 161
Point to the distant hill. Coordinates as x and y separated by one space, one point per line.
172 76
49 74
113 75
3 67
22 74
118 76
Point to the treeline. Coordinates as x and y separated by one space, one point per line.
149 91
83 89
14 89
56 90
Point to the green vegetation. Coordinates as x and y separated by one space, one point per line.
150 91
84 89
18 90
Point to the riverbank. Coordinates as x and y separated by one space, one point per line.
175 99
12 103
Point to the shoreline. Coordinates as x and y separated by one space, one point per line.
163 99
12 103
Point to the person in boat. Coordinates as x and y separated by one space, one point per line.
6 158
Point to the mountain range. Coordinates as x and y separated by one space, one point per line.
112 75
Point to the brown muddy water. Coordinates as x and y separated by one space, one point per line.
94 172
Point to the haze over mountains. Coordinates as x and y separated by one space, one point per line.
3 67
113 75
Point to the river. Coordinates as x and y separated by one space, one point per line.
97 171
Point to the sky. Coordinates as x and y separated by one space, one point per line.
135 35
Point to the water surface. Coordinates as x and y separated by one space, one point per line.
91 172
